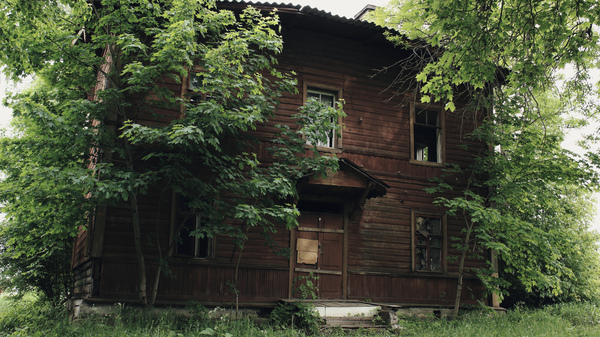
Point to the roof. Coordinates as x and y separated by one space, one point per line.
317 19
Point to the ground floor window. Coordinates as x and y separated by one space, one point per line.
193 242
429 232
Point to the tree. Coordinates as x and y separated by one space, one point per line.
524 198
42 191
464 45
528 200
130 51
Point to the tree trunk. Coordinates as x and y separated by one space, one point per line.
461 270
135 219
138 249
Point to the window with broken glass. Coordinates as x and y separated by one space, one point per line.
428 243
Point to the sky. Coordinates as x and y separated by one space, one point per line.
347 8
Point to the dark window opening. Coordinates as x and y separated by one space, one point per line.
193 242
323 207
427 132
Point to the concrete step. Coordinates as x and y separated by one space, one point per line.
337 309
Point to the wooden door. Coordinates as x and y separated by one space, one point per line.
319 248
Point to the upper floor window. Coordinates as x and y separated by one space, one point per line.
328 98
194 86
427 134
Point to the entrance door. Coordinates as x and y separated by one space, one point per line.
319 249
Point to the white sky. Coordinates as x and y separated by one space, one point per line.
347 8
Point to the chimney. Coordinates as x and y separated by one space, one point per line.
361 15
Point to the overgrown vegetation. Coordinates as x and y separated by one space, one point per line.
70 151
523 67
31 317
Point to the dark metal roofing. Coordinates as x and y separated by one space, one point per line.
310 11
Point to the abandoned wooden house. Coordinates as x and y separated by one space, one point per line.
369 232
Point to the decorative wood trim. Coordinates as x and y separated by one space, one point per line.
361 203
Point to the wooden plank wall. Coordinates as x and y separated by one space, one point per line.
206 283
375 137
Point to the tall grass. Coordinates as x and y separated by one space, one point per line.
29 317
558 320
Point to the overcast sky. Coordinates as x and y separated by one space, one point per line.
347 8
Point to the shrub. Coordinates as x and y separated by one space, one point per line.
299 315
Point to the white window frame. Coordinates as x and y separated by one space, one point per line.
334 141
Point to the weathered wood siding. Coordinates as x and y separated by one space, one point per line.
379 247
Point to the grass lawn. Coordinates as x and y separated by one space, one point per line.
28 317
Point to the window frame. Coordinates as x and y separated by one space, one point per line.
444 241
179 213
440 134
188 90
337 95
209 242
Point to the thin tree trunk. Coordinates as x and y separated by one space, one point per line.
235 280
135 219
170 250
138 249
461 267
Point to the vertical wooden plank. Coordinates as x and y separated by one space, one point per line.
345 253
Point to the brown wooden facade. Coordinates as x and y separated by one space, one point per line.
361 230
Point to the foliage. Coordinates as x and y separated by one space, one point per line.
465 44
297 315
529 200
43 191
305 287
131 52
34 318
546 321
300 314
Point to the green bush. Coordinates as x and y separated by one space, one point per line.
298 315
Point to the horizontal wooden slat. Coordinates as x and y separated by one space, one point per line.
318 271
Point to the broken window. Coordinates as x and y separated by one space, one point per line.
429 243
328 98
427 134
